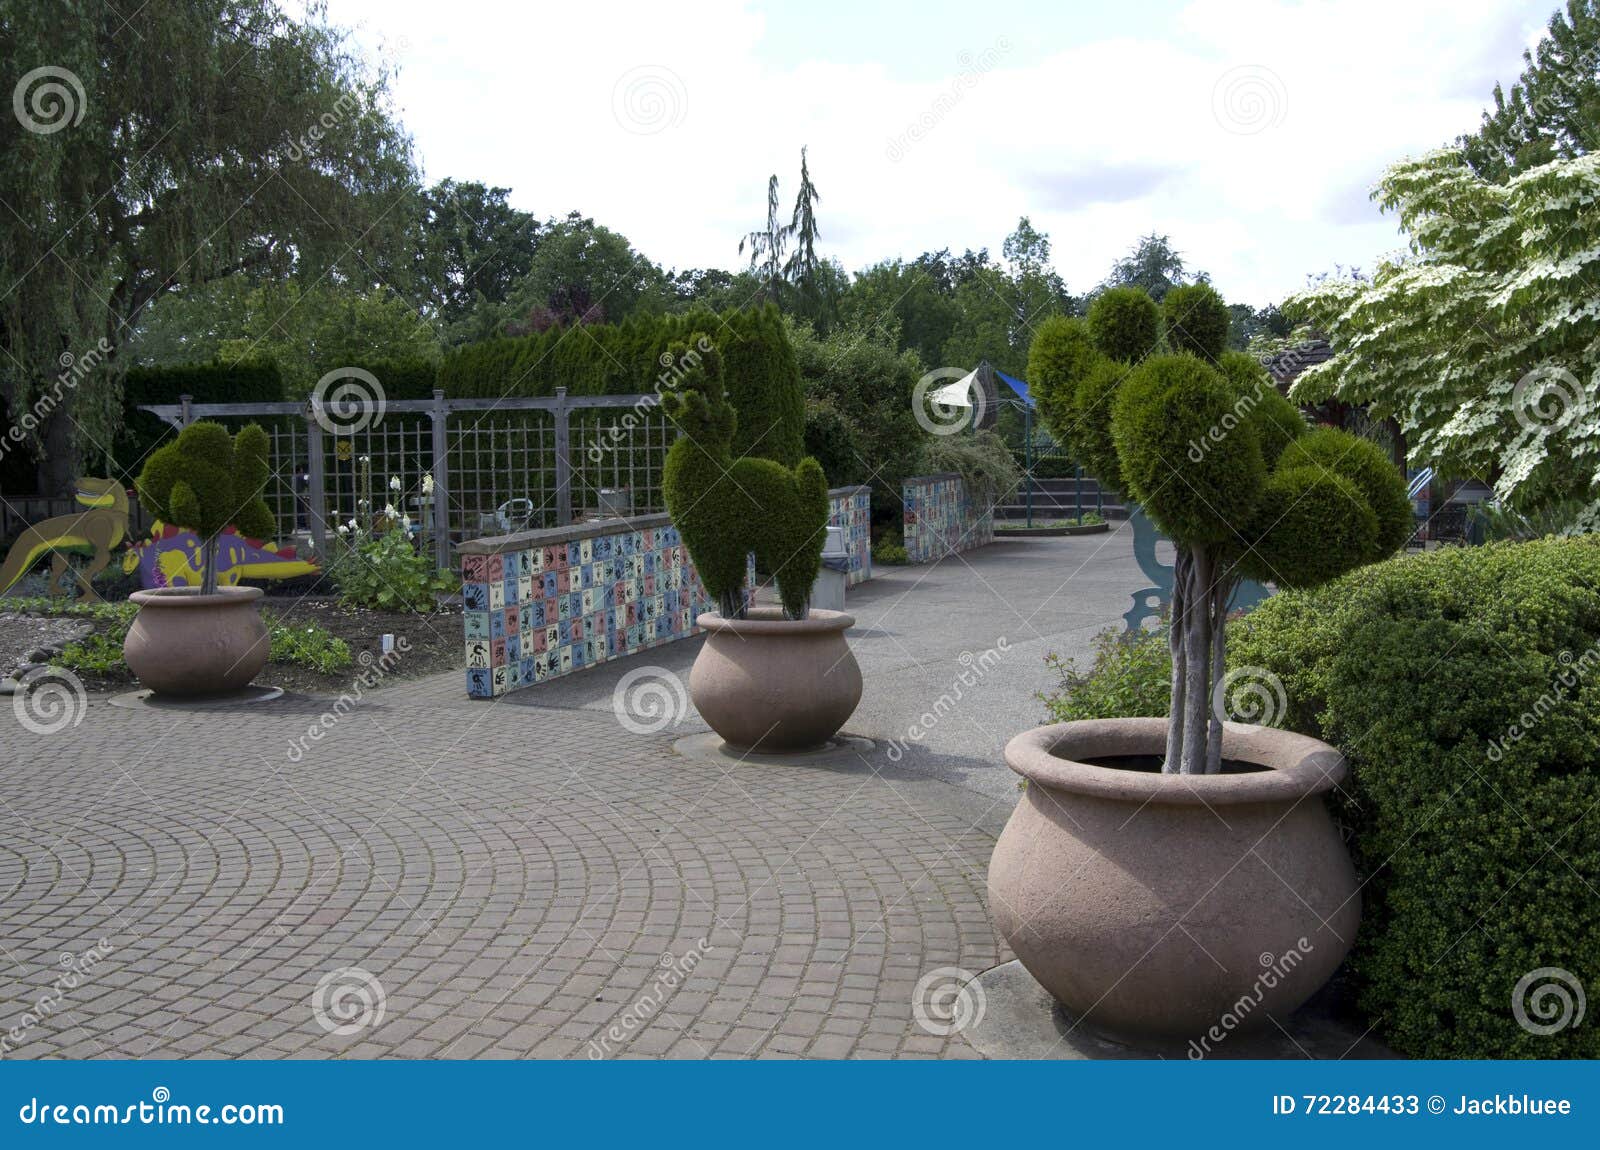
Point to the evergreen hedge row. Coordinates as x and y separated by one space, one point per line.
758 364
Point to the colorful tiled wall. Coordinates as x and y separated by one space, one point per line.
851 508
941 520
543 611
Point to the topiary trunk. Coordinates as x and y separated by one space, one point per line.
1201 590
208 556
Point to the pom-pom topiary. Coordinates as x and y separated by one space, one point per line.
1196 321
1125 323
728 508
206 480
1221 462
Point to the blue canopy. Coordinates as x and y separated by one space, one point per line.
1017 386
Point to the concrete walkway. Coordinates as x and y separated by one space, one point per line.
427 876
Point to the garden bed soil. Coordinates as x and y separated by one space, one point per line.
433 643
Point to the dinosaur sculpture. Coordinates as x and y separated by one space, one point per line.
727 508
94 531
172 557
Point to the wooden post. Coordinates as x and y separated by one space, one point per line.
563 459
316 501
183 414
440 415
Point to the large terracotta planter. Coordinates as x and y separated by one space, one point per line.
185 642
1173 906
776 685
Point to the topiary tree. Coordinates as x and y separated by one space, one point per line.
1125 323
207 480
1196 321
1227 469
728 508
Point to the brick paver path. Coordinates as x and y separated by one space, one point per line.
517 881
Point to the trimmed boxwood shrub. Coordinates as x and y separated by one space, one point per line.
1461 686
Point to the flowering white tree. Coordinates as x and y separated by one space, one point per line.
1483 340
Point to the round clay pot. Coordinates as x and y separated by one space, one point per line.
775 685
185 642
1158 906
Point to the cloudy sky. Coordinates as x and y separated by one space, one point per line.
1248 130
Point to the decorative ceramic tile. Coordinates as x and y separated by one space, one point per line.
941 520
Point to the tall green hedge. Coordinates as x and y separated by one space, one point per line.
256 381
758 365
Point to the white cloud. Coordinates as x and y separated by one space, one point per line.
1099 141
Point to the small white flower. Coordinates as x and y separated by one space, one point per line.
427 483
390 511
349 526
405 521
344 529
394 483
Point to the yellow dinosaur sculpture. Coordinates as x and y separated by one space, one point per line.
94 531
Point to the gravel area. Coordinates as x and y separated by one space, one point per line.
22 634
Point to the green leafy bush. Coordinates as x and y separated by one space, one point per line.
1125 323
1195 320
984 462
1129 677
890 548
385 570
1461 685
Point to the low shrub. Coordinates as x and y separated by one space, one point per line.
1129 676
1461 686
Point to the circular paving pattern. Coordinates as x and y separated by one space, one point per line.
423 877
